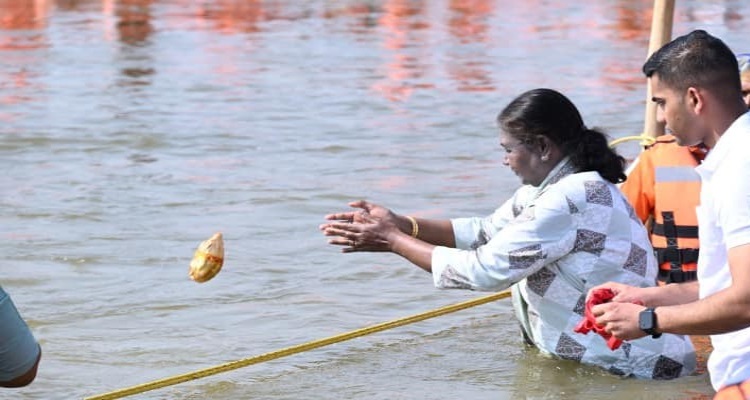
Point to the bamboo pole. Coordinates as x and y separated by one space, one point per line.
661 34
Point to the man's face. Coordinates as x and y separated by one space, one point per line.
672 110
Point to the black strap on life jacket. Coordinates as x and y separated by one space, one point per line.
675 256
682 256
681 231
669 276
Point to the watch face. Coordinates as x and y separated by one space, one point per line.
646 320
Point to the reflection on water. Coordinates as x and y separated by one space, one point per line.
23 15
22 23
134 21
132 129
235 16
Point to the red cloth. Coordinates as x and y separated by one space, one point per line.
598 296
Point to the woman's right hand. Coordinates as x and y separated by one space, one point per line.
368 227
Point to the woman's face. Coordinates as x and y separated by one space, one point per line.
523 159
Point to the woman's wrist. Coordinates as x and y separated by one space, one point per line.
404 224
414 232
395 239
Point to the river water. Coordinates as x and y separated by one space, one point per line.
132 130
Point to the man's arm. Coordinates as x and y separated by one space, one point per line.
725 311
657 296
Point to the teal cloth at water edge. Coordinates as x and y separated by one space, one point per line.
18 348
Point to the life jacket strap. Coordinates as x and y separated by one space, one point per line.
680 231
680 256
672 276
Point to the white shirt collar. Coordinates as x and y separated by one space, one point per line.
562 169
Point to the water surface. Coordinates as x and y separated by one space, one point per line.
132 130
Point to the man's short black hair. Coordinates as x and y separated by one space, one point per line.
695 60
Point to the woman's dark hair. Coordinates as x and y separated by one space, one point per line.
549 113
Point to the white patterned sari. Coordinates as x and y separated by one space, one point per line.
552 243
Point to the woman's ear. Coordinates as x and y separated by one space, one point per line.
543 146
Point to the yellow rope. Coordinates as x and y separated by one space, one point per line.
297 349
645 140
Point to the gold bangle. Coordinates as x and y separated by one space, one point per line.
414 226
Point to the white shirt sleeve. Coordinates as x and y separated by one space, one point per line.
734 208
537 237
471 232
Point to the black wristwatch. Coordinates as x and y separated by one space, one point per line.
647 322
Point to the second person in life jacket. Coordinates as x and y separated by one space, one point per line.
663 188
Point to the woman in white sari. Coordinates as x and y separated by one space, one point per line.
567 229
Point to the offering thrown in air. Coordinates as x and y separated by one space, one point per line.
208 259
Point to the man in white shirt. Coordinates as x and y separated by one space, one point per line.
695 84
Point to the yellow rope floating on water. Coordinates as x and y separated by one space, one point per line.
646 140
117 394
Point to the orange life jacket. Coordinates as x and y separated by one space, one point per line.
664 187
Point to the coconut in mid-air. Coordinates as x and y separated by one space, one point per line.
208 259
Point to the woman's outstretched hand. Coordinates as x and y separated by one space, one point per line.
365 207
367 229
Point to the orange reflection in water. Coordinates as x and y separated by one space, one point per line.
234 17
22 15
134 20
12 85
468 19
405 27
231 16
469 24
633 20
21 28
401 18
632 23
